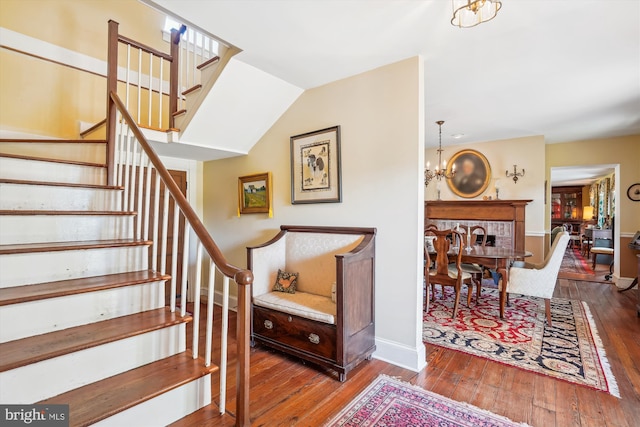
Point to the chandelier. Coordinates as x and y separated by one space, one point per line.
469 13
440 171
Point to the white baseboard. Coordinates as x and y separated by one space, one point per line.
414 359
217 299
623 282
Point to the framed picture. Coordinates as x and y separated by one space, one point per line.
254 193
315 167
472 176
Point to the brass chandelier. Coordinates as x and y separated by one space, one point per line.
441 168
469 13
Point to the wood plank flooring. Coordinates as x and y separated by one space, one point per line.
288 392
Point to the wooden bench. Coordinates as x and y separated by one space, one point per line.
329 320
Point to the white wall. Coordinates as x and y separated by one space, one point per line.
381 117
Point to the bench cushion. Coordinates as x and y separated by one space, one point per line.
309 306
603 251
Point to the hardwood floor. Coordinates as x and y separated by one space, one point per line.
287 392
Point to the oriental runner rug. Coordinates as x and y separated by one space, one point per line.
394 403
570 350
574 262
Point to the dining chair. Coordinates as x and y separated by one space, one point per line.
539 280
437 271
475 270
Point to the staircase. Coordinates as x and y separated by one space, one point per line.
82 317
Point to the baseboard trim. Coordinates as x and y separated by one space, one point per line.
414 359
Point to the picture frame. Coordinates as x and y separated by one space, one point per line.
316 175
255 194
472 173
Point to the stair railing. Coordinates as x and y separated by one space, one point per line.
135 154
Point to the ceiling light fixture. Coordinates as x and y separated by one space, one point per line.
441 171
469 13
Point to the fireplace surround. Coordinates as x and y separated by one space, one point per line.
505 219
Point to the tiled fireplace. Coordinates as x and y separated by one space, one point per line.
504 219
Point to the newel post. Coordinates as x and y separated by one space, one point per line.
112 87
244 348
174 75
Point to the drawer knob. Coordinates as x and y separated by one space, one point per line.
290 318
268 324
315 339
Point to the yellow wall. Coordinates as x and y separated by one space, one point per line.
381 117
622 152
27 84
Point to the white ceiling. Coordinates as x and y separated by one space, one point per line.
565 69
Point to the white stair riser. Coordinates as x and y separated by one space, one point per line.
15 229
165 408
48 197
25 269
38 381
11 168
93 152
54 314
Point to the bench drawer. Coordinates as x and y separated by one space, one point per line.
297 332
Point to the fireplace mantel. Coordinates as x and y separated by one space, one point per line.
481 210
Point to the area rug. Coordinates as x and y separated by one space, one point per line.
570 350
391 402
574 262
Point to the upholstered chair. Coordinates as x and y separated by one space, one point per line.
539 280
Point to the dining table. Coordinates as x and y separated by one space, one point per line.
494 258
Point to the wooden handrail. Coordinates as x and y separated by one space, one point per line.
144 48
242 277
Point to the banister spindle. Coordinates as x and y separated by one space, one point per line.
174 256
165 223
185 269
150 107
196 301
156 212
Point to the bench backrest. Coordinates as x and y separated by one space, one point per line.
312 256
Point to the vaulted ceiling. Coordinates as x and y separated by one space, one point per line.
565 69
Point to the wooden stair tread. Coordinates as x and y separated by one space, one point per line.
102 399
54 141
59 184
40 291
46 159
37 348
61 212
208 62
192 89
70 246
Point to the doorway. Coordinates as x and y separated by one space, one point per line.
580 203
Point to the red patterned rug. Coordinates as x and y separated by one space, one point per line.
574 262
569 350
390 402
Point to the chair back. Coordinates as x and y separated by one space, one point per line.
555 255
441 245
475 229
555 231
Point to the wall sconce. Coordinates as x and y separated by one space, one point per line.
515 175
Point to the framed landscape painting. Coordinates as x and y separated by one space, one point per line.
315 167
254 193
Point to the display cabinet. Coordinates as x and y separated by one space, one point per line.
566 205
